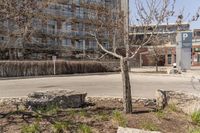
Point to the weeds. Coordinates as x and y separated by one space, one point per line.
149 126
49 110
102 117
60 127
195 130
83 113
173 107
160 114
196 117
33 128
84 129
119 118
71 112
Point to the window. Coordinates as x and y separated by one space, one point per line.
79 12
51 41
106 45
79 44
52 27
3 39
169 59
92 45
66 42
67 27
198 58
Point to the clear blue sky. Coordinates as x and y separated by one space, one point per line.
190 7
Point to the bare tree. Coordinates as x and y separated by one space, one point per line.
149 12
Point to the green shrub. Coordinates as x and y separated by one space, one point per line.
150 126
60 127
84 129
196 117
33 128
119 118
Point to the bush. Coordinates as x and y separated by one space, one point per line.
38 68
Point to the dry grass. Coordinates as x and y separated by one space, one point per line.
38 68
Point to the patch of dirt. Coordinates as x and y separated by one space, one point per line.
103 116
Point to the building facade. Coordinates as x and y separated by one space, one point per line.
65 36
168 48
167 39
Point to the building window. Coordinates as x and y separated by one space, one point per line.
169 59
92 45
106 45
3 39
66 42
67 27
51 41
79 12
52 27
198 58
79 44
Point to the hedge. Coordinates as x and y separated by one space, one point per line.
38 68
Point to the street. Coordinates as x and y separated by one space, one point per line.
108 85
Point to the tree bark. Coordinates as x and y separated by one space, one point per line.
127 98
156 65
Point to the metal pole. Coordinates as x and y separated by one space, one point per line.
54 65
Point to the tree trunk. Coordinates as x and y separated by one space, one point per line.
156 65
127 98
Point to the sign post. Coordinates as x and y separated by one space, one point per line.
183 50
54 58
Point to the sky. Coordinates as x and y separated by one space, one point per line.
190 7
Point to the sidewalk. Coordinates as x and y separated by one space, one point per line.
194 72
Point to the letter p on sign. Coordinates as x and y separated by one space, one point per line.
185 35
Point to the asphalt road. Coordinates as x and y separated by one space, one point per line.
143 85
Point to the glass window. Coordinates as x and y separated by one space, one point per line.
92 44
79 44
198 58
66 42
52 26
169 59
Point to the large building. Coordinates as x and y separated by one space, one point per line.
65 36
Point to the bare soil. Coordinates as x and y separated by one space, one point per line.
101 116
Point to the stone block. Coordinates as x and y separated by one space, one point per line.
61 98
133 130
186 102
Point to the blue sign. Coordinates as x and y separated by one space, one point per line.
186 39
